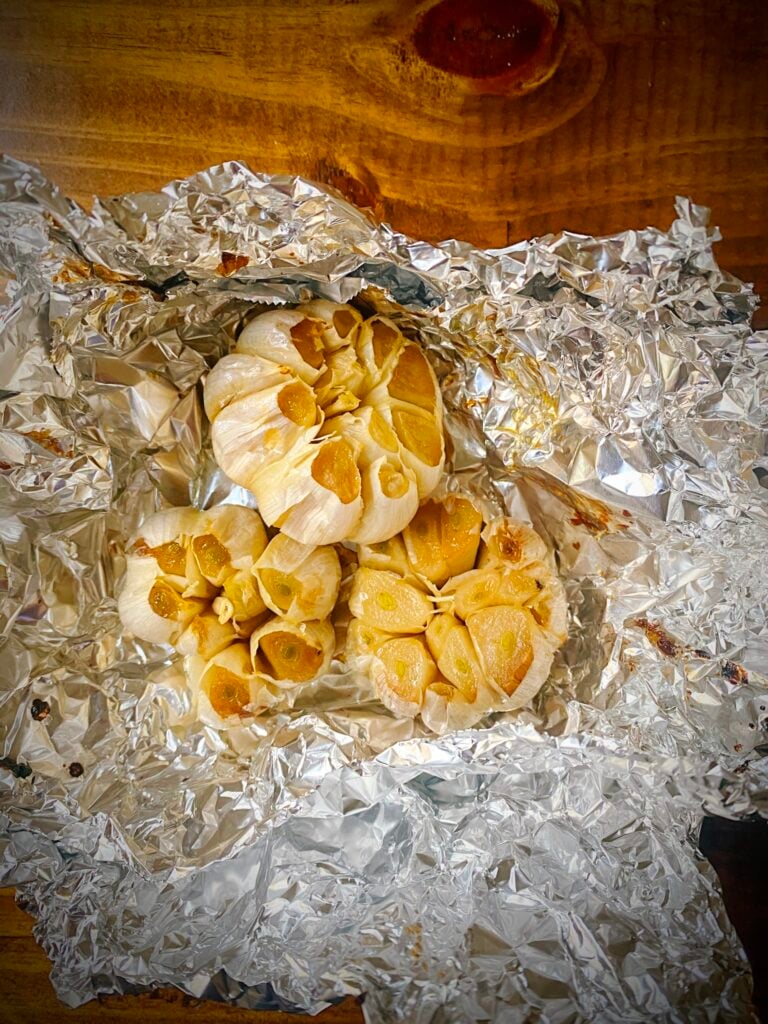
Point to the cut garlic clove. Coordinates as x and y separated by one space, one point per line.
205 636
238 375
317 499
228 691
293 652
363 641
401 670
378 342
503 638
256 432
390 499
150 607
341 321
240 601
298 581
513 543
412 380
494 585
227 538
387 602
443 537
287 337
451 647
421 444
386 554
367 431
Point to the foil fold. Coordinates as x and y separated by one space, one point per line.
611 392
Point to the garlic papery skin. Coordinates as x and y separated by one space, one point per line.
298 581
259 431
390 499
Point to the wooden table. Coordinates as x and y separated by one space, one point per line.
489 120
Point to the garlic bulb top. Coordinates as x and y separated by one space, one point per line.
451 623
332 421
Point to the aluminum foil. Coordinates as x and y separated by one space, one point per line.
540 868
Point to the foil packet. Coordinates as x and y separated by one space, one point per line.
611 392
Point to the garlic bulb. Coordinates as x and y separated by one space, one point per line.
297 581
182 559
208 583
343 436
448 641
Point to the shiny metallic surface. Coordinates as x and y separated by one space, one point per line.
611 392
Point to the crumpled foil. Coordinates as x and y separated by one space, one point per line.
542 867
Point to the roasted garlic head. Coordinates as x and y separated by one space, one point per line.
451 622
333 422
250 615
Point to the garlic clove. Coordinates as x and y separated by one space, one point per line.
292 652
513 543
362 641
240 601
206 636
228 691
390 499
317 498
412 380
150 607
379 341
226 539
298 581
451 647
420 438
503 638
341 321
387 602
367 431
256 432
238 375
288 337
494 585
401 670
386 554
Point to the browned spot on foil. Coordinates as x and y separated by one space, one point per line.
40 709
46 440
75 769
660 639
231 262
735 673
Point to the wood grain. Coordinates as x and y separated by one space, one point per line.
633 102
642 99
26 994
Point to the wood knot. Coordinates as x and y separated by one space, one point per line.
514 42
